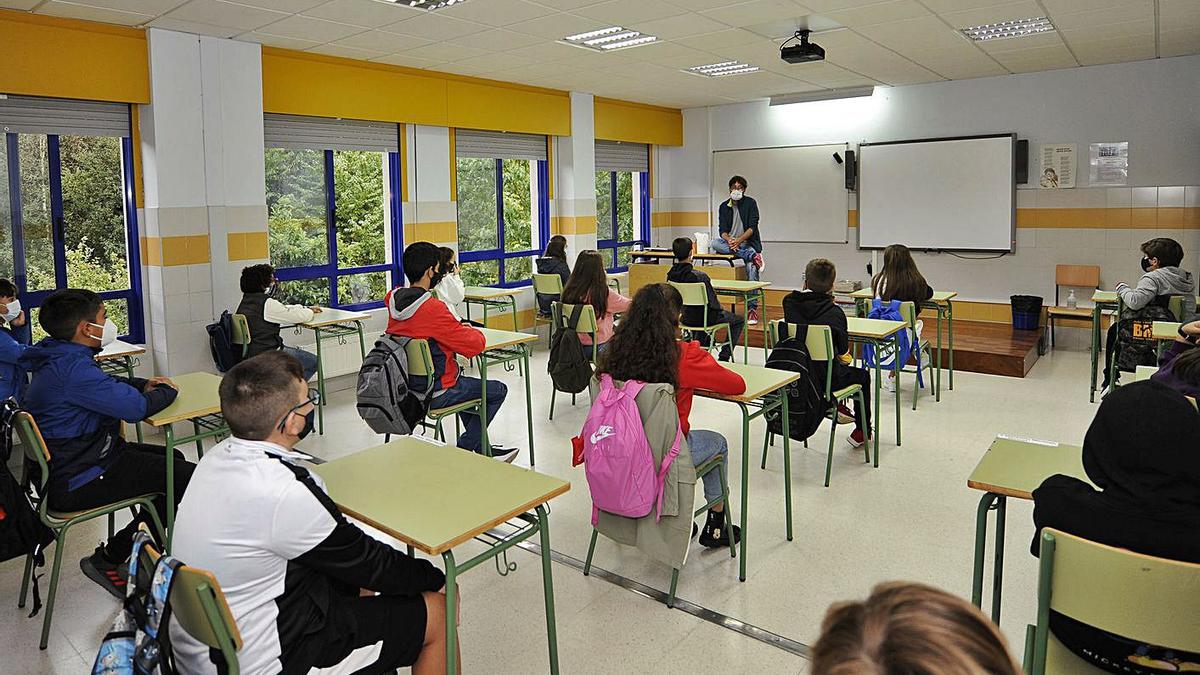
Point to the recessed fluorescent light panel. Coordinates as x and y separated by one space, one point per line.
426 4
1009 29
722 69
609 39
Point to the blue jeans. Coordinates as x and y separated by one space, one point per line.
308 360
464 390
746 252
705 445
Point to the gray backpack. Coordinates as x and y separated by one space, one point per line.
385 402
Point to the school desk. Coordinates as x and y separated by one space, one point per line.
615 280
878 333
1144 373
941 303
333 324
1163 333
744 291
435 498
489 297
501 347
764 392
1101 300
198 402
657 255
120 358
1012 468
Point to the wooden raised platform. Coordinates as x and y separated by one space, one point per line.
979 346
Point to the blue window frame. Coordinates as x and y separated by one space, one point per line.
335 225
622 215
499 235
72 222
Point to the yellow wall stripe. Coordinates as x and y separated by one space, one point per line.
637 122
550 166
172 251
139 189
573 225
505 107
247 245
65 58
1150 218
679 219
403 162
438 233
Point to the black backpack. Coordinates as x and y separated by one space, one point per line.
568 365
225 354
806 403
1135 342
21 531
384 400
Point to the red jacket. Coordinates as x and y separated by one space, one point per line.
413 313
699 370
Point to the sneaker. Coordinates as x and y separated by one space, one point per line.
890 383
758 262
694 530
845 415
110 576
505 453
857 438
726 354
716 534
752 317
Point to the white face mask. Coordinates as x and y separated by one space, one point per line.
14 310
735 195
109 333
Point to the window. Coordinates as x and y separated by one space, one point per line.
622 200
333 210
67 217
503 206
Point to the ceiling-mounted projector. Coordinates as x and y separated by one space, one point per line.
803 51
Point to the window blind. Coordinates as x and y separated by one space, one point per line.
324 133
29 115
617 156
495 144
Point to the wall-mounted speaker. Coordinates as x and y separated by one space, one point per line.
851 166
1022 162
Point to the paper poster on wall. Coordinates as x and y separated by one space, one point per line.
1109 164
1058 166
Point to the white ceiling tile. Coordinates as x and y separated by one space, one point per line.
408 61
1109 31
347 52
1132 48
926 32
497 40
167 23
1066 6
152 7
1012 11
381 41
698 5
944 6
496 12
288 6
229 14
566 5
824 6
557 26
1172 10
433 26
756 12
277 41
365 13
730 37
1135 10
684 25
22 5
444 52
308 28
954 65
1038 58
494 62
624 12
826 75
71 10
1179 42
1051 39
882 12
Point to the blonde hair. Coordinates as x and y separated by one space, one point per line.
910 629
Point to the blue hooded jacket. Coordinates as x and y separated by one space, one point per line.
79 409
12 375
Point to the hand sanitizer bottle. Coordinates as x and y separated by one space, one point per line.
1072 303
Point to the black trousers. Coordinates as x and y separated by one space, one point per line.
354 622
138 469
736 322
844 376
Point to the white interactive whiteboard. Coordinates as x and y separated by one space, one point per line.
801 190
950 194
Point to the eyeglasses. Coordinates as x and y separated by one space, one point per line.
314 398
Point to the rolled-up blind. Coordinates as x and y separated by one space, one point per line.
324 133
499 145
618 156
29 115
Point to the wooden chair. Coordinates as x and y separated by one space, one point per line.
1071 276
546 284
561 315
696 295
199 608
420 364
241 332
819 341
921 348
36 453
1139 597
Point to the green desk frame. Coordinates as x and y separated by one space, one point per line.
204 426
745 296
123 366
500 356
1101 300
879 343
337 332
499 300
944 308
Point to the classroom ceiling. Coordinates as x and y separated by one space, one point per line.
892 42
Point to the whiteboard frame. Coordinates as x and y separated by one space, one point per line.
1012 247
712 177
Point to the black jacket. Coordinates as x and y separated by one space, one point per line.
264 335
684 273
748 208
818 309
553 266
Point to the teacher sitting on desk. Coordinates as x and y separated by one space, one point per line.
737 222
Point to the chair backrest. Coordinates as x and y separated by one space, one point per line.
587 317
420 359
818 341
35 449
694 294
908 312
1175 304
547 284
240 328
1085 276
1139 597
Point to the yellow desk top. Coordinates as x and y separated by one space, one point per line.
499 339
873 328
119 350
432 496
1144 373
1165 330
737 285
331 317
1015 468
1105 297
198 396
760 381
488 293
939 297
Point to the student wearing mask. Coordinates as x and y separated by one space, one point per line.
12 376
290 564
266 315
553 262
79 409
1140 453
737 223
450 289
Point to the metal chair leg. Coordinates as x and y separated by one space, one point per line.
553 394
764 456
728 508
829 455
53 590
587 564
674 583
